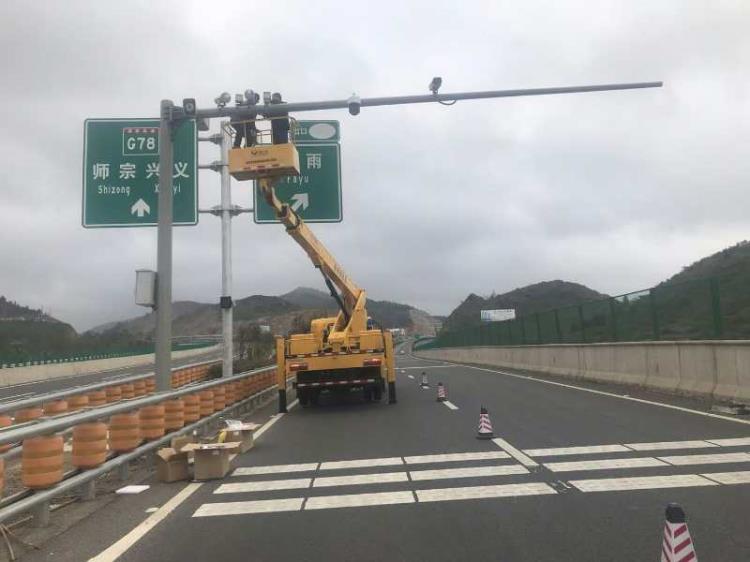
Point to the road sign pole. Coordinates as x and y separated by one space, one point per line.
164 252
226 255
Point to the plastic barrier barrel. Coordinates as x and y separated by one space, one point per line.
55 407
150 385
42 461
152 422
139 388
230 396
5 421
206 402
174 414
220 398
2 476
124 432
193 407
77 402
28 414
97 398
114 393
89 445
127 390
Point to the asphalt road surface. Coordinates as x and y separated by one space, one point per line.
29 389
572 474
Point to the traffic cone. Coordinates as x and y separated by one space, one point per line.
485 425
424 383
441 397
677 546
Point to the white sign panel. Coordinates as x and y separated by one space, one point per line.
498 315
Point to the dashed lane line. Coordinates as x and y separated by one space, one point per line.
450 405
361 463
641 483
666 445
457 457
358 479
358 500
585 450
686 460
736 442
246 508
275 468
483 492
263 486
741 477
515 453
603 464
471 472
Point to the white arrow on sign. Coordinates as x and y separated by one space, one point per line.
300 200
140 208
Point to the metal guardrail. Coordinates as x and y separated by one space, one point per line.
40 500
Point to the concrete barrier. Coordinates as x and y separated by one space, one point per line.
712 369
33 373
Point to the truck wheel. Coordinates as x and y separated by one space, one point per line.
303 397
367 393
377 393
314 395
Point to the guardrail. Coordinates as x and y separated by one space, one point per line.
226 395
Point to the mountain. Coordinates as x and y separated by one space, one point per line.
26 332
305 297
525 300
733 261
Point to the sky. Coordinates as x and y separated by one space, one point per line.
615 190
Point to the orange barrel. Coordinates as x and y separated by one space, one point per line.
150 385
172 381
77 402
152 422
114 393
2 476
139 388
230 394
174 414
220 398
206 402
55 407
28 414
127 390
89 445
192 407
42 461
97 398
5 421
124 432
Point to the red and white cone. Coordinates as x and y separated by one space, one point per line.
485 425
677 546
441 397
424 383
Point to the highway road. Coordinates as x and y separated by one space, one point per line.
572 474
29 389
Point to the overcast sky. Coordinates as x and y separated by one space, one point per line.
613 190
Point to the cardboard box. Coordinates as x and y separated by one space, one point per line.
180 441
241 433
211 459
171 465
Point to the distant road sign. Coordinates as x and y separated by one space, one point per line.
317 131
121 173
315 194
497 315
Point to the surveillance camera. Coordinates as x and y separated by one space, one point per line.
239 99
188 105
355 103
266 97
223 99
435 84
251 97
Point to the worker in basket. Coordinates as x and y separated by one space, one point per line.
244 127
280 123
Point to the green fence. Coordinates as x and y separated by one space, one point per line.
22 360
699 309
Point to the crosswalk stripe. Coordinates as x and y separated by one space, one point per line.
473 472
603 464
450 405
513 452
361 463
666 445
358 500
274 469
641 483
742 477
382 478
482 492
457 457
684 460
562 451
244 508
736 442
263 486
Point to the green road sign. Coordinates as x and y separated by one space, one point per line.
315 194
121 173
316 132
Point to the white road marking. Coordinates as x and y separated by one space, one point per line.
562 451
472 472
450 405
244 508
736 442
427 367
361 463
603 393
666 445
263 486
273 420
685 460
482 492
411 376
603 464
275 468
513 452
641 483
729 477
120 547
456 457
382 478
359 500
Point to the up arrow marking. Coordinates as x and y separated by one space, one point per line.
140 208
300 200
